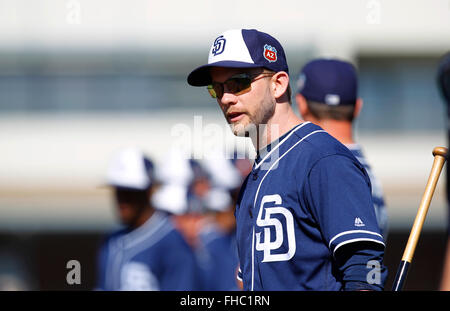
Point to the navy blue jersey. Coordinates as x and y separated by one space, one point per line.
305 199
218 259
377 190
152 257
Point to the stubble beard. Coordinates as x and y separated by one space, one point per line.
254 125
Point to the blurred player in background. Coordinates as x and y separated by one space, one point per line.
328 96
183 184
304 217
217 237
199 195
444 87
148 253
191 222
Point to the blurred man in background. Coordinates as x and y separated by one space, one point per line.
191 222
183 183
148 253
444 87
327 96
200 195
217 237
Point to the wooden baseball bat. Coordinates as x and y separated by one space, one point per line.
440 155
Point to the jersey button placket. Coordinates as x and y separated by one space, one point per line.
254 174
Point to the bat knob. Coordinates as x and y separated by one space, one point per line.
440 151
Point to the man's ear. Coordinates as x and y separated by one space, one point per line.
280 84
358 108
301 105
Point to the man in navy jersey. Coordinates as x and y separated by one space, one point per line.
327 96
443 82
305 217
148 253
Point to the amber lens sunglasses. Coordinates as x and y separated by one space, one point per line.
237 84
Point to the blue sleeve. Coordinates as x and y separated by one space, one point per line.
101 266
181 268
220 269
361 266
338 194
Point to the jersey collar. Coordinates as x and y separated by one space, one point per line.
264 153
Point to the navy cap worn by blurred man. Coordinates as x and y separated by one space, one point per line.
148 253
328 96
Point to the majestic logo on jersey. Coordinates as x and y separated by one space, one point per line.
359 222
270 53
218 46
267 244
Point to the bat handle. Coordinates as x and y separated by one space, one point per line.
400 277
440 155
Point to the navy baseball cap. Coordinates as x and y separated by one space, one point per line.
329 81
241 48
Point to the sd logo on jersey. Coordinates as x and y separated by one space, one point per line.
270 53
267 244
